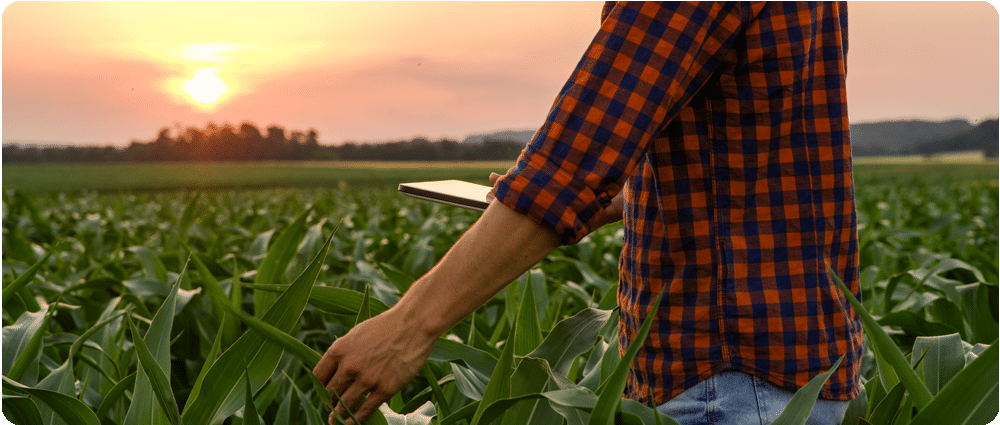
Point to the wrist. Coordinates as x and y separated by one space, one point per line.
422 317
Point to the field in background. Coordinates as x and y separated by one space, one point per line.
960 157
89 275
168 176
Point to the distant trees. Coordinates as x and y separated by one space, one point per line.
421 149
248 143
36 154
983 137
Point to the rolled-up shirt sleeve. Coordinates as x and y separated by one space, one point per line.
644 65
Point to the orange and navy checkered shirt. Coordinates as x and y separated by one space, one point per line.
726 126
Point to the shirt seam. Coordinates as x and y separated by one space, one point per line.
718 257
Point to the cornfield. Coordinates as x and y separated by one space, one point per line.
212 307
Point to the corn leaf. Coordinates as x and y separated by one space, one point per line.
801 404
295 347
333 300
157 381
889 406
213 354
435 388
318 387
530 376
886 351
22 342
470 383
278 257
285 408
610 393
151 264
42 225
61 380
401 280
971 397
21 410
250 416
25 278
69 409
529 335
220 394
187 219
905 413
313 415
115 393
365 311
574 398
941 357
446 350
570 338
634 412
147 389
218 297
984 324
499 385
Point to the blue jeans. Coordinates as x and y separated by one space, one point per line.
737 398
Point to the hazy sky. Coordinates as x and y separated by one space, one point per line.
111 72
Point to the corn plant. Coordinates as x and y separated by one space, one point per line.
212 308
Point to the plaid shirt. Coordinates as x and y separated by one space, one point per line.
726 127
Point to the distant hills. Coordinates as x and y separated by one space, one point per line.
924 137
981 137
873 138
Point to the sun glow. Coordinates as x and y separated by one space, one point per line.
205 87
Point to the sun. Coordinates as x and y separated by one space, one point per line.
205 87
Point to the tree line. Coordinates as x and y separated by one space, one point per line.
248 143
984 137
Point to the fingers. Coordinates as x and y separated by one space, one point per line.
354 396
351 398
351 386
326 366
371 404
339 386
493 181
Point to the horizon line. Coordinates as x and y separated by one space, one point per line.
35 142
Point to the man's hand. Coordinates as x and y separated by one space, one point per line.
379 356
613 212
493 181
372 363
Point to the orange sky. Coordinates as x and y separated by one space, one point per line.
110 72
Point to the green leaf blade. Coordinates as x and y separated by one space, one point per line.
158 382
24 279
886 350
279 256
610 394
69 409
224 376
971 397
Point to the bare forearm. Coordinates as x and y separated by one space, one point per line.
500 247
380 355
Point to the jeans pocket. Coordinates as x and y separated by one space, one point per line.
772 401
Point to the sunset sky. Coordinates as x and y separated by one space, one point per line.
106 73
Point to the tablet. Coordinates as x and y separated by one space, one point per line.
450 192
